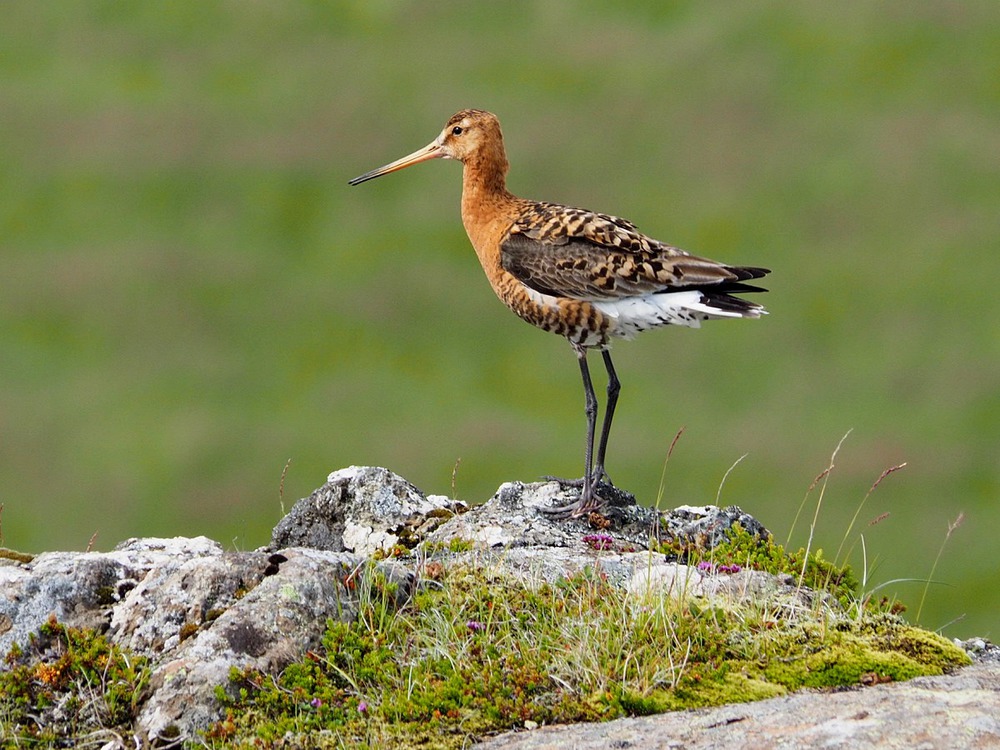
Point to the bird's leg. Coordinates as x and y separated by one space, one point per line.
590 410
614 388
589 499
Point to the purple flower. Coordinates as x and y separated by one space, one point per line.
599 541
475 626
362 707
706 567
315 703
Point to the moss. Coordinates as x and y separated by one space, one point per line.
883 647
443 514
106 596
455 544
10 554
67 684
924 647
187 630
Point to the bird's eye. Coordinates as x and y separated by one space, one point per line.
457 130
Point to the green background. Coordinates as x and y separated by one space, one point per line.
191 295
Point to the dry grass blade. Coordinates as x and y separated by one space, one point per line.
822 477
663 472
959 520
857 512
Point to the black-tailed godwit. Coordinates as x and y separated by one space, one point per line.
587 276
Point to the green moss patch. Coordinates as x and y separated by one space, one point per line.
68 685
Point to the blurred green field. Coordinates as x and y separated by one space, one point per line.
191 294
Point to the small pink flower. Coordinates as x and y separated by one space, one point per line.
599 541
315 703
475 626
362 707
705 566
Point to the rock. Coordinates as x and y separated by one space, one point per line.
363 509
274 623
194 610
960 710
509 534
981 650
180 596
512 518
80 588
707 525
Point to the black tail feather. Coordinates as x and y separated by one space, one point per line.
728 303
721 295
748 272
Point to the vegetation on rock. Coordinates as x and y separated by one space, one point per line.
475 652
68 686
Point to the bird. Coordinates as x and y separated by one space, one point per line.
587 276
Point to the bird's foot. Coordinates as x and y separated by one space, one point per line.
600 476
587 503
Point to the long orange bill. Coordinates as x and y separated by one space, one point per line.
430 151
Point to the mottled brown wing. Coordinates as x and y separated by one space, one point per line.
569 252
555 224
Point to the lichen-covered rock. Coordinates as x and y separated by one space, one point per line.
81 588
179 596
707 525
193 609
274 623
363 509
981 650
514 517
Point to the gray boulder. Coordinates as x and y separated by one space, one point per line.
362 509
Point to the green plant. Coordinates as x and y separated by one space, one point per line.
68 684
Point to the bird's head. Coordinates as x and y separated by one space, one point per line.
469 135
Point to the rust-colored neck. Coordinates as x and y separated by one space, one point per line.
485 174
488 208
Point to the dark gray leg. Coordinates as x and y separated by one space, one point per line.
614 388
588 498
590 409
